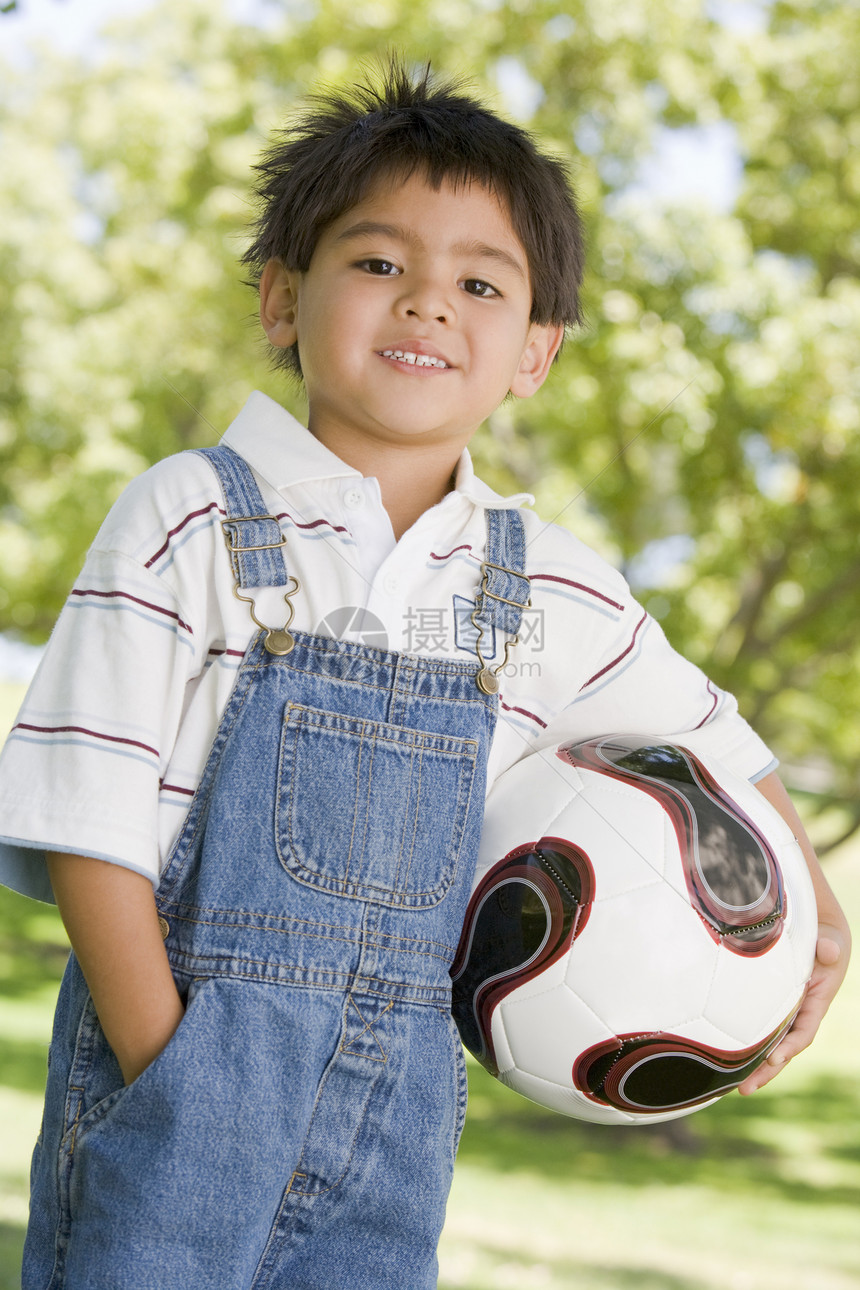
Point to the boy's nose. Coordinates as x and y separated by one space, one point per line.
427 301
424 314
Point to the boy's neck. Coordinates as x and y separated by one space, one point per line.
407 498
411 479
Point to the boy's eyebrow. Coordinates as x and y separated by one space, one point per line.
486 252
482 250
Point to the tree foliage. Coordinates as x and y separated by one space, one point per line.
701 429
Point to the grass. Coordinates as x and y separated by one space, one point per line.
751 1194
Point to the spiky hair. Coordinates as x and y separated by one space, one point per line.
396 124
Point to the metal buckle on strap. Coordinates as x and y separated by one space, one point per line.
487 678
485 591
278 640
246 519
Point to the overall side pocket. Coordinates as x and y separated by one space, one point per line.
461 1081
96 1084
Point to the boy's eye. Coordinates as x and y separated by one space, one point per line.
477 287
383 268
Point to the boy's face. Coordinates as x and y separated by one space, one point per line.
412 320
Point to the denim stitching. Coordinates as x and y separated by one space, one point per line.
368 1028
375 940
484 701
345 928
405 992
235 963
388 659
337 885
461 1085
316 936
355 727
175 913
320 1093
214 757
356 800
415 818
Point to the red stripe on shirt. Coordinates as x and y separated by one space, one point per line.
710 711
580 586
82 730
204 510
124 595
616 661
338 528
522 711
171 533
464 547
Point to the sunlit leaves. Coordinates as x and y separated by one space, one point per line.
702 429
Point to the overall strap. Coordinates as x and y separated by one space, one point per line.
253 537
254 540
505 588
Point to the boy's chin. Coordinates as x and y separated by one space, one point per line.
422 434
411 425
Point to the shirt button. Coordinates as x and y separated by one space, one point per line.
390 584
353 498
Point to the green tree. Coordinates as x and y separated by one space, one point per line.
715 398
701 430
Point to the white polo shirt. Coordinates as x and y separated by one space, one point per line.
116 727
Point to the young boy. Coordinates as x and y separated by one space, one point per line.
253 775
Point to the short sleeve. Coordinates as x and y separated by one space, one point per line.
641 685
80 771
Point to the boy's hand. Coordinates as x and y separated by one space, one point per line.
140 1054
832 950
831 964
110 916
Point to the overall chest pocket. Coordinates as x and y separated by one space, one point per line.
371 810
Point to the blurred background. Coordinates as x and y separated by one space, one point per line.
701 430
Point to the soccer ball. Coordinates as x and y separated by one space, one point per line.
640 933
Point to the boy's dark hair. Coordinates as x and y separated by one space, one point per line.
344 144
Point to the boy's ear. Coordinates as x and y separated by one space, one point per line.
278 300
541 348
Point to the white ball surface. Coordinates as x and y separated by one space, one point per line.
641 931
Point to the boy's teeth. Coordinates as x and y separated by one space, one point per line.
417 360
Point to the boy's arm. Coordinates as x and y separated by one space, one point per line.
110 915
832 951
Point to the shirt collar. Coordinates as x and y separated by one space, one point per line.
468 485
284 453
279 447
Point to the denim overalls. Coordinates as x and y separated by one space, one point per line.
300 1128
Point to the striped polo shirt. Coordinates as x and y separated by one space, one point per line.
116 727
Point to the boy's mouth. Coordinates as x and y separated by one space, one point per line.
414 359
